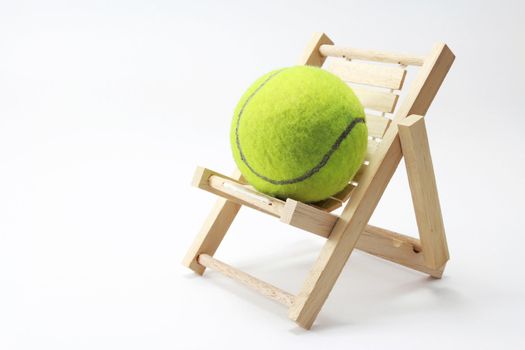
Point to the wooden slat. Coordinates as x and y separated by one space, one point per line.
256 284
338 199
330 204
397 239
377 125
377 100
213 230
228 188
385 76
357 177
422 181
371 55
344 194
371 148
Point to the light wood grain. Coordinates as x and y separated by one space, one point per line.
350 188
344 236
377 125
232 190
297 214
377 100
344 194
373 145
422 91
385 76
370 55
311 55
329 204
395 247
308 218
366 196
256 284
377 241
422 181
213 230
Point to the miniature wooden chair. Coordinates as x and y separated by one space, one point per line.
390 139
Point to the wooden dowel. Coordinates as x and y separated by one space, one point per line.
371 55
256 284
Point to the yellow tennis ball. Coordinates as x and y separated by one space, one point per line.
300 133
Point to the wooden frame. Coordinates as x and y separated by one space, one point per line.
403 136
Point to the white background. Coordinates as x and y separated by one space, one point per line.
107 107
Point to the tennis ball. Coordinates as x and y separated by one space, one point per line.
300 133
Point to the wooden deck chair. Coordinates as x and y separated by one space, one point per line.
378 75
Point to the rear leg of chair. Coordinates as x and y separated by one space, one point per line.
213 230
416 150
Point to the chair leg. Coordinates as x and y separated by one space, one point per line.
416 150
346 232
213 231
322 278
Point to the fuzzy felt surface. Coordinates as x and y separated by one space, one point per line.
300 133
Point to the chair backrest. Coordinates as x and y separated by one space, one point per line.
378 79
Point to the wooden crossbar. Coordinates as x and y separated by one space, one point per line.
397 248
381 101
256 284
370 55
390 77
